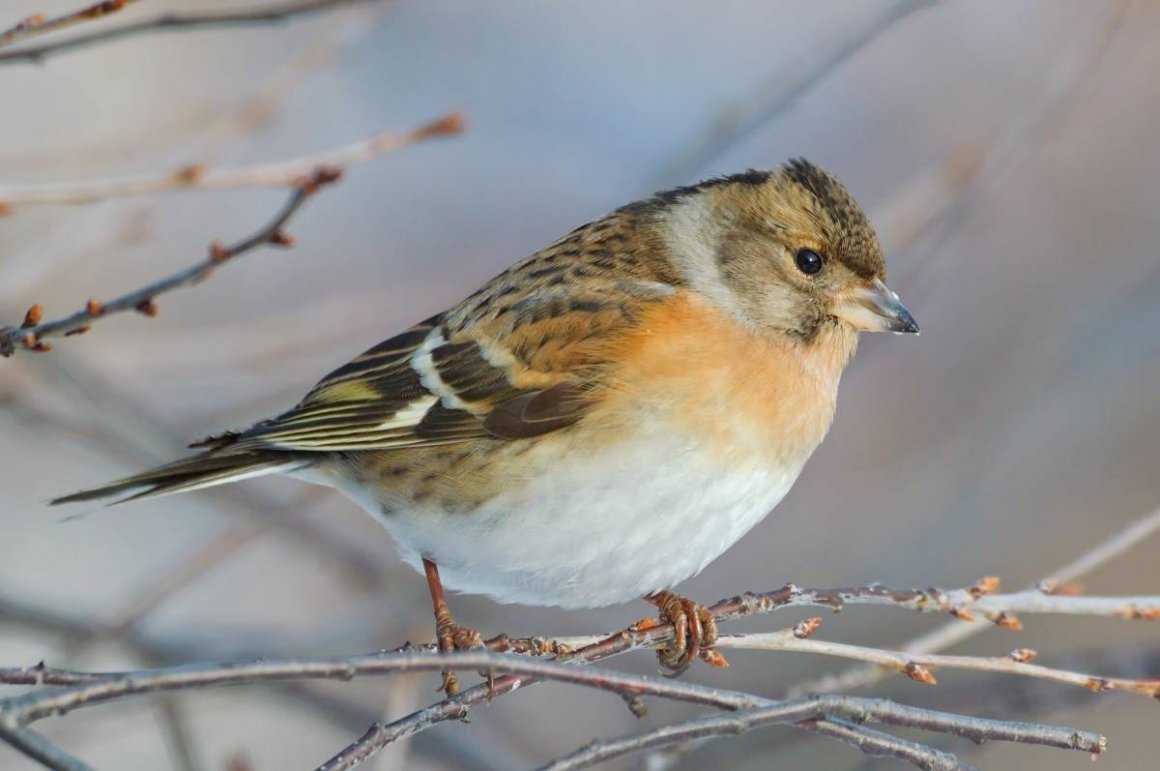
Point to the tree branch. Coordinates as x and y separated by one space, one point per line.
167 22
40 749
197 177
953 633
639 637
837 712
16 713
90 688
39 25
31 334
880 744
918 666
999 609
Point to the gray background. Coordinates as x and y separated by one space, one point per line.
1008 151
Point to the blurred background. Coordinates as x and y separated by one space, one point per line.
1007 152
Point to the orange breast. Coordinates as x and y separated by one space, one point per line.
751 397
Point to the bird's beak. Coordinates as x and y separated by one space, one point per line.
876 308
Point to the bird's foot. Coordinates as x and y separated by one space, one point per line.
453 637
694 633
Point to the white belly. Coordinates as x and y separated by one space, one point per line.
594 530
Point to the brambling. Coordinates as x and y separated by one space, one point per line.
603 419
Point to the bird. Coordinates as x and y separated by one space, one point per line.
601 420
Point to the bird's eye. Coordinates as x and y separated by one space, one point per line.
808 261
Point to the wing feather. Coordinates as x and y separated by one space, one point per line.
519 358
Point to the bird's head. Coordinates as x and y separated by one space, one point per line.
786 252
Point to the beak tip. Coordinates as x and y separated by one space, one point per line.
877 308
904 323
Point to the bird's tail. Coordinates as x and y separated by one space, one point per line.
200 471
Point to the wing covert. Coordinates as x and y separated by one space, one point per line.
521 357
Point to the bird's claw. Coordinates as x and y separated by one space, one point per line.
452 637
694 633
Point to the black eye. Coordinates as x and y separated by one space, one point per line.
808 261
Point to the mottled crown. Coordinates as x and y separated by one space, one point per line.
854 240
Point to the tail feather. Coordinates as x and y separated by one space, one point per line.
201 471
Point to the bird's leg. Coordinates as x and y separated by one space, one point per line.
694 632
451 636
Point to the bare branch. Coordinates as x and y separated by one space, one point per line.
39 25
31 337
40 749
954 633
919 666
167 22
18 712
880 744
647 636
636 638
964 603
286 173
633 638
871 742
38 705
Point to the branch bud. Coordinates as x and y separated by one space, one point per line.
32 316
448 125
189 175
984 586
807 627
32 343
1023 655
962 614
321 176
713 658
1132 613
281 238
1007 621
919 673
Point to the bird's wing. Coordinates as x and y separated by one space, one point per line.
520 358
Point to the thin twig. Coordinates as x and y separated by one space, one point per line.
951 634
380 735
198 177
17 712
173 22
804 713
30 336
647 636
37 25
40 749
919 666
880 744
171 649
